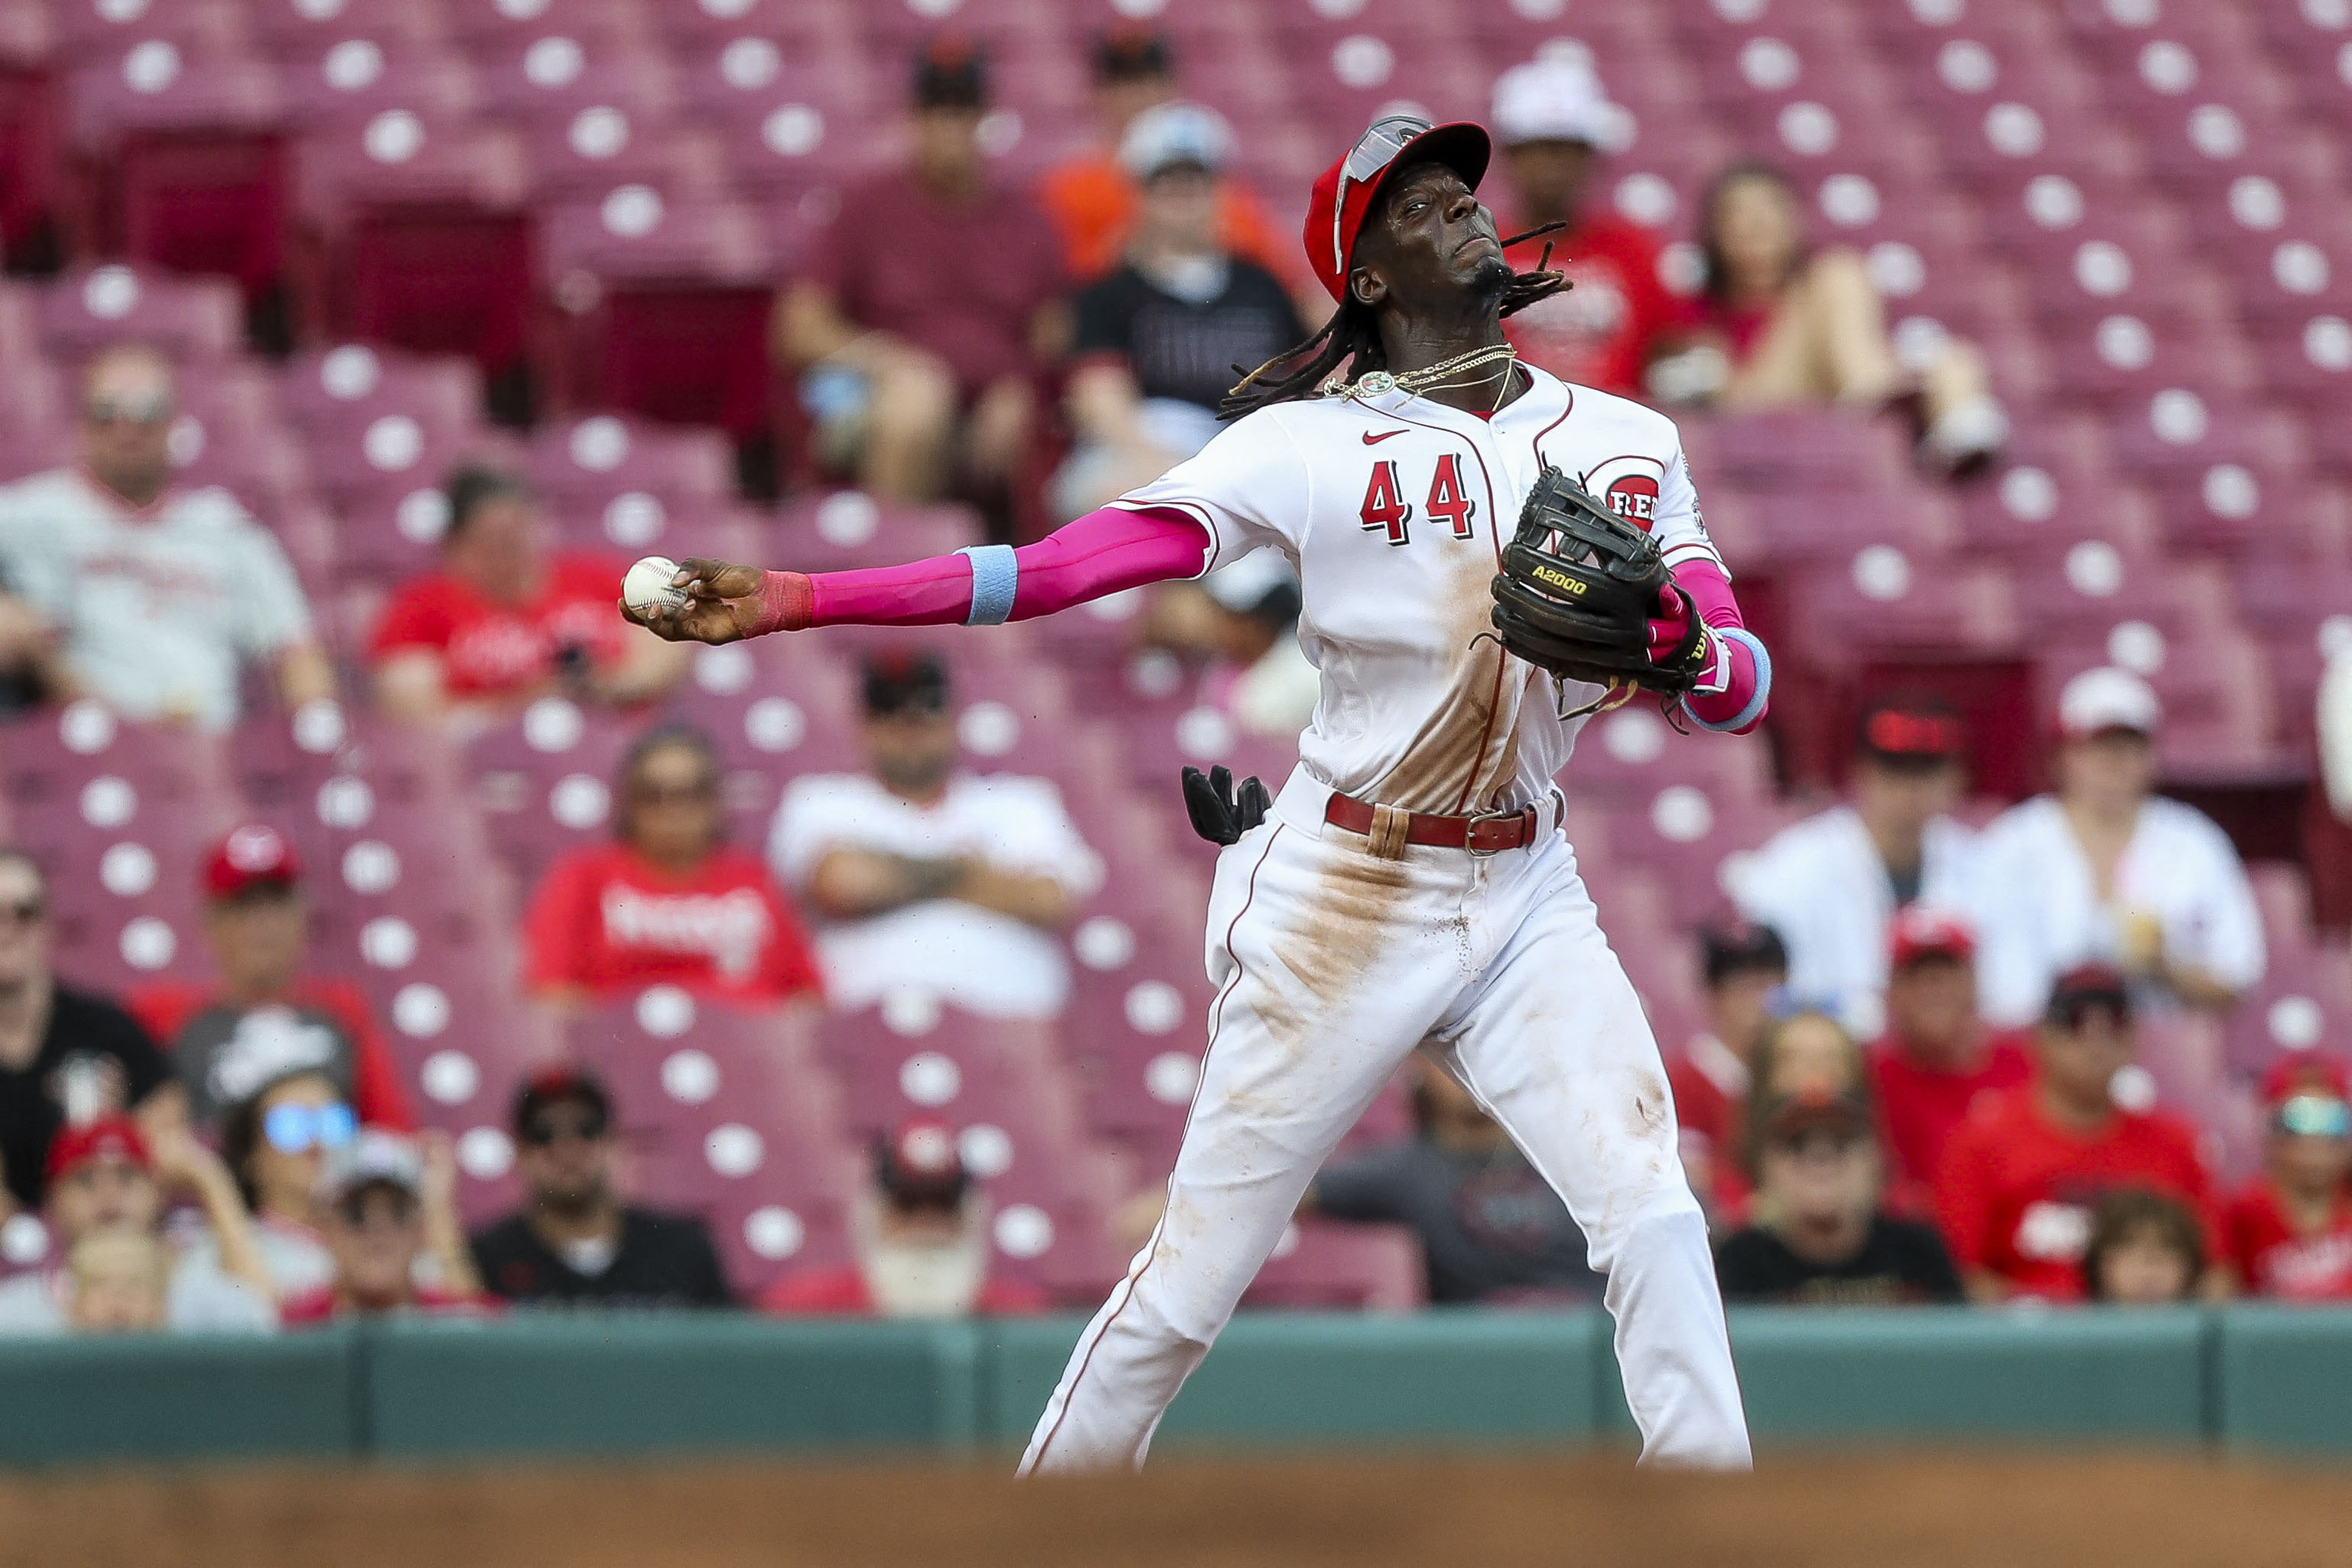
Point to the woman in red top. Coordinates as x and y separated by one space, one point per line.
667 901
505 620
2289 1233
1794 327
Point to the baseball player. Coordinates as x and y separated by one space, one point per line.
1409 885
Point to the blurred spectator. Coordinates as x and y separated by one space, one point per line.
387 1206
1820 1237
1242 622
266 1014
920 1235
923 312
1800 1050
931 879
668 901
1491 1229
505 619
103 1179
118 1281
2022 1174
65 1054
1937 1056
2145 1250
1783 326
1157 339
275 1141
1092 198
157 594
1551 119
1743 964
2335 728
2289 1232
574 1243
1830 884
2104 870
32 668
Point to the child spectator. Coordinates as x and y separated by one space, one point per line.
64 1053
667 901
1490 1228
2289 1233
1937 1056
388 1204
118 1277
1743 964
920 1235
1819 1237
265 1013
2021 1176
156 596
275 1143
2144 1250
574 1243
505 620
1801 1051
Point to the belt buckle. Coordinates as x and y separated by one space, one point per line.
1470 832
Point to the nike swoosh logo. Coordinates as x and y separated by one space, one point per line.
1372 440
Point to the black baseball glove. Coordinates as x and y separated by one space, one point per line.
1577 591
1221 813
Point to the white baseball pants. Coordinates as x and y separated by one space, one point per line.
1331 965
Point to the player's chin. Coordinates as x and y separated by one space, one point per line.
1487 271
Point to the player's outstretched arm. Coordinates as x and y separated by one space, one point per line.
1104 552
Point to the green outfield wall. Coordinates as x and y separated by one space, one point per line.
2247 1377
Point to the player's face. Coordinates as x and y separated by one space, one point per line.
97 1192
127 412
1932 1003
24 923
2111 770
1429 242
1550 177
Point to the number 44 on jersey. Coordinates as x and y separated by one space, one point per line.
1386 509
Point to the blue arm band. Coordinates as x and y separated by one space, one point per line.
1747 715
995 577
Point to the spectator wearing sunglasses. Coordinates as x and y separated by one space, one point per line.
156 595
2289 1232
388 1210
275 1143
106 1177
265 1013
574 1242
65 1054
668 901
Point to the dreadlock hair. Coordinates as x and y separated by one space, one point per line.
1352 338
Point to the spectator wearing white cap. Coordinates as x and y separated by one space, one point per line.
1157 339
2102 869
389 1213
1553 119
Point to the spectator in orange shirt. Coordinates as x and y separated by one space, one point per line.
266 1014
667 901
1937 1056
1743 964
2289 1233
505 620
1092 198
922 1238
1551 118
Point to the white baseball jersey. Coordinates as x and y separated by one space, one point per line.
1395 509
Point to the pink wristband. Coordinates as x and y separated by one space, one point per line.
787 604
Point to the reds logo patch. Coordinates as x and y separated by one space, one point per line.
1629 487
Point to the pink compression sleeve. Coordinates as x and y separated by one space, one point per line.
1102 553
1738 707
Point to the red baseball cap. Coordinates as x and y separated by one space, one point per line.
252 856
1345 191
1918 931
918 1163
2305 1072
115 1137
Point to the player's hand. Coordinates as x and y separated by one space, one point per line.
722 604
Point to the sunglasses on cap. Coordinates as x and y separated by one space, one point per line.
2314 1116
299 1129
543 1131
1374 150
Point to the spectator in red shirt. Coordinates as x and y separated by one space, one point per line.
2022 1175
923 313
668 901
266 1014
1937 1056
920 1234
387 1202
1744 964
505 620
2289 1233
1551 117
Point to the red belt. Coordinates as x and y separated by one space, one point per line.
1482 835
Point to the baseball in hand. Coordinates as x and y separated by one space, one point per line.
648 584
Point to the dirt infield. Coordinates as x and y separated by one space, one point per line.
1822 1512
